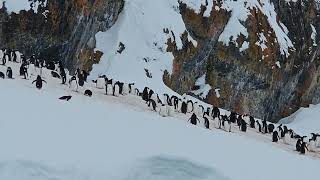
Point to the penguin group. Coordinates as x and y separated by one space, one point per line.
164 104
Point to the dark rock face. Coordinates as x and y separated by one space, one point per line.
60 30
249 83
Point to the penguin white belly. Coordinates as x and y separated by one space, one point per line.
170 110
101 83
125 89
133 91
109 89
189 107
74 86
286 139
163 111
312 146
179 106
116 90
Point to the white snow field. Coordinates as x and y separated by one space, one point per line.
119 138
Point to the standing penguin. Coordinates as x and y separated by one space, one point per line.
184 107
190 107
170 109
73 84
193 119
163 110
252 122
206 122
80 80
145 94
243 125
100 83
265 126
303 148
270 128
9 73
275 136
298 145
38 82
259 126
63 76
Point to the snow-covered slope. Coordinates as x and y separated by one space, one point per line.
140 28
119 138
305 120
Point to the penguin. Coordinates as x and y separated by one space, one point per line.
158 99
167 99
153 104
63 76
286 139
179 105
265 126
38 82
131 88
100 83
116 89
252 122
190 106
125 90
298 145
108 85
73 84
184 107
170 110
233 117
215 112
194 119
145 94
303 148
259 126
88 93
175 101
206 122
275 136
312 145
150 93
80 80
163 110
243 125
55 74
9 73
270 128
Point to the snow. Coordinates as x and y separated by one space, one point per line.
196 6
240 10
305 120
106 137
140 28
314 35
17 5
204 89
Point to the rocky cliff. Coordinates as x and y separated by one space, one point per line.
259 57
59 30
261 71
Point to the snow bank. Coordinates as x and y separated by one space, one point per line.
305 120
141 28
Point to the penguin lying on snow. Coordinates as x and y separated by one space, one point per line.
67 98
88 93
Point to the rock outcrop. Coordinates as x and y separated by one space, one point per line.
261 80
60 30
